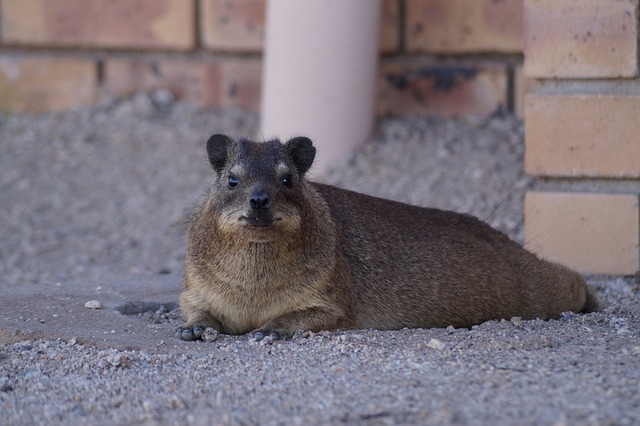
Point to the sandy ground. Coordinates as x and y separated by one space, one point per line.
92 207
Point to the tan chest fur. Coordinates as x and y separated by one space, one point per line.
245 291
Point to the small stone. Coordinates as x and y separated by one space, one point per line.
148 406
436 344
300 334
567 315
115 360
5 385
73 341
162 98
635 350
93 304
267 340
450 330
516 321
210 334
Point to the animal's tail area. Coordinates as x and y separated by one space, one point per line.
578 285
559 289
592 303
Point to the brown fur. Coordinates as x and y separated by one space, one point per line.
320 257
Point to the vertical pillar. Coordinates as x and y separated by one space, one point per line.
319 75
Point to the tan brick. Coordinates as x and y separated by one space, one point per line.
419 89
390 26
129 24
232 25
463 26
581 39
582 135
592 233
34 85
219 84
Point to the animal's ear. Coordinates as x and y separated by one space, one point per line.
218 147
301 152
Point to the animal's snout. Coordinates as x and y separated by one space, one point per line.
260 200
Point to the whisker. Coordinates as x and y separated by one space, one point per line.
527 243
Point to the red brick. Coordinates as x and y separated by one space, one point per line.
219 84
239 25
581 39
232 25
241 84
129 24
592 233
419 89
390 26
190 81
463 26
34 85
583 135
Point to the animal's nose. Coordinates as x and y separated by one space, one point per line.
260 200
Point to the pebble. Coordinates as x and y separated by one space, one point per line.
149 405
5 384
566 316
115 360
517 322
436 344
93 304
162 99
267 340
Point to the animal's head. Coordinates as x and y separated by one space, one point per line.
259 187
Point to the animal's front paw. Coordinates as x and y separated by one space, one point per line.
261 334
190 331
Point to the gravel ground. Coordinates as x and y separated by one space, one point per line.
104 191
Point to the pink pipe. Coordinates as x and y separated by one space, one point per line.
320 74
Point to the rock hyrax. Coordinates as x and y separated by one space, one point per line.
270 252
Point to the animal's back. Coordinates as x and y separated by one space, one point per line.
420 267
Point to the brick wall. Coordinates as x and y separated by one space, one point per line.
440 57
582 132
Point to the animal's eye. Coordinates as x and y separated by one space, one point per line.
287 181
232 182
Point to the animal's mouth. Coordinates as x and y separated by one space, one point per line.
259 221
